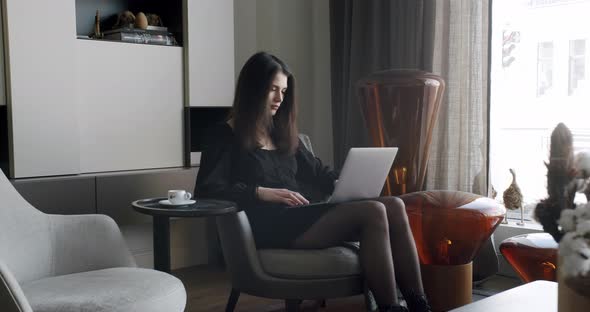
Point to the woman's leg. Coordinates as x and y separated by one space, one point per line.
366 220
403 247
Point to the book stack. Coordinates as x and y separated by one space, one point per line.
152 35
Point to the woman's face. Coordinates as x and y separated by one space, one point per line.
276 93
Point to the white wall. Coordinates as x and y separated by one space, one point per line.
298 32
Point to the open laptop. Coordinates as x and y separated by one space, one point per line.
363 174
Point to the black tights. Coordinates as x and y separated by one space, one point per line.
386 240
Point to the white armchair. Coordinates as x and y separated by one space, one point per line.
73 263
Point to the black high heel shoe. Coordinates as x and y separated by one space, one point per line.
417 302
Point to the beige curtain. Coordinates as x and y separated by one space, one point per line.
368 36
458 156
447 37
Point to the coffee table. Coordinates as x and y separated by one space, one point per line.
161 215
538 296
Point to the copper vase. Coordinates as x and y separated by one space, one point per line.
400 107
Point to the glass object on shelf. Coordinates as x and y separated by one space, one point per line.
148 36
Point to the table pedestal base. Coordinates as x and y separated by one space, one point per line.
162 243
447 286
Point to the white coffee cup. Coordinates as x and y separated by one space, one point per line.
178 196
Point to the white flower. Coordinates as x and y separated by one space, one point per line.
567 220
583 212
565 245
582 185
582 163
575 254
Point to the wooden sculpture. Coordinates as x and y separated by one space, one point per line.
512 195
513 198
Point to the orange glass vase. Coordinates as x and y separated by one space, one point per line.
400 108
449 228
532 256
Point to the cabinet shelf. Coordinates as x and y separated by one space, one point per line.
133 43
116 106
170 13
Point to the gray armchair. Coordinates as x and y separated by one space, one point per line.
73 263
289 274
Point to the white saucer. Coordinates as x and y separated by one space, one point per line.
166 202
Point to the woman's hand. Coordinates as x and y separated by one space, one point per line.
283 196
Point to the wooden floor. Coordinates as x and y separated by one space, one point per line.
208 288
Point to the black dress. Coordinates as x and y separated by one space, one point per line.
232 173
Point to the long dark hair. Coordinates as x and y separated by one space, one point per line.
250 113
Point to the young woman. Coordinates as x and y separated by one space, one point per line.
257 161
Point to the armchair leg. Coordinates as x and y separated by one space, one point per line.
292 305
233 299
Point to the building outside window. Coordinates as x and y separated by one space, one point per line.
538 78
544 67
577 64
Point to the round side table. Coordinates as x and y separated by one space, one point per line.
532 256
162 214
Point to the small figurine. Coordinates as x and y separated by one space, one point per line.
154 20
493 192
97 33
560 181
125 19
141 21
513 197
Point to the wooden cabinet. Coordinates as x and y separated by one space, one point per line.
130 106
85 106
209 52
40 59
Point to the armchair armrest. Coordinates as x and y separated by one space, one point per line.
239 250
87 242
12 298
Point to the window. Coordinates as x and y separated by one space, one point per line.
538 3
577 64
544 67
539 77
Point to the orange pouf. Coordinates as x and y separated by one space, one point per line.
533 256
449 228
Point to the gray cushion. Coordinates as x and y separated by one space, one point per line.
310 263
115 289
